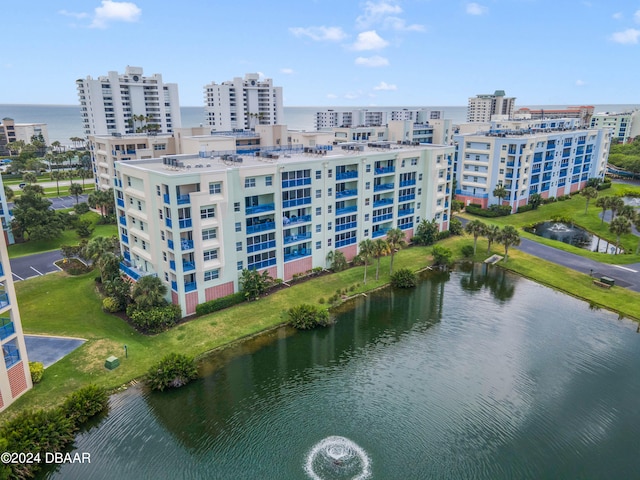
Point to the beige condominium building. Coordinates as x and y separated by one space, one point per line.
196 221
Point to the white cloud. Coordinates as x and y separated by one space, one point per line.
617 16
476 9
111 11
375 61
385 86
627 37
636 16
332 95
369 41
78 15
580 83
351 96
319 34
287 71
395 23
376 12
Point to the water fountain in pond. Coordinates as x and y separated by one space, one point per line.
573 235
337 458
560 227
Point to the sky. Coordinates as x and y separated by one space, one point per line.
330 52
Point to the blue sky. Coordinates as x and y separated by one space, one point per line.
329 52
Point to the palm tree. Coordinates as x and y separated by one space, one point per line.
492 232
148 292
76 189
30 178
619 226
8 192
589 193
380 249
56 176
627 211
395 240
615 206
500 192
366 251
508 236
99 246
603 203
475 228
56 146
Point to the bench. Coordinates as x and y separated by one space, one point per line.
600 284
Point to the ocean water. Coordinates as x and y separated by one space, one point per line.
63 121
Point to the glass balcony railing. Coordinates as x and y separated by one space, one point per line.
166 198
346 226
172 265
382 187
382 218
6 328
256 247
127 256
297 254
260 265
347 193
405 211
120 202
261 227
11 354
410 224
123 220
168 222
389 201
345 242
403 198
297 182
345 210
125 239
347 175
133 273
296 202
408 183
184 199
185 223
170 244
385 170
297 238
265 207
188 266
190 286
186 244
380 233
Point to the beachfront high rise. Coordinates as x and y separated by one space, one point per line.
625 126
243 103
196 221
15 376
128 103
483 106
550 157
363 117
11 132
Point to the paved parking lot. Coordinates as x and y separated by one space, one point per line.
49 350
34 265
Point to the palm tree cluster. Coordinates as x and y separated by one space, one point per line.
368 249
507 236
622 217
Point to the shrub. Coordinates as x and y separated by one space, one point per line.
441 255
455 226
604 186
110 305
525 208
154 319
220 303
173 371
85 403
456 205
37 371
321 300
81 208
492 212
352 288
444 234
467 251
306 316
84 228
404 278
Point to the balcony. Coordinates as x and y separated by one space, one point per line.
297 238
261 265
261 246
188 266
132 272
383 187
166 198
296 182
346 193
174 286
548 166
408 183
6 328
382 218
120 202
172 265
509 175
535 170
261 227
389 201
125 239
405 211
185 223
347 175
511 163
380 233
190 286
385 170
123 220
11 354
346 226
295 220
345 210
297 254
345 242
170 244
403 198
168 222
1 270
184 199
127 256
406 226
296 202
186 244
265 207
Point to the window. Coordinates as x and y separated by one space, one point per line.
367 186
211 275
501 171
329 226
419 191
238 246
318 228
403 162
160 214
139 205
249 182
166 277
210 254
329 208
318 211
162 235
268 181
366 217
440 188
318 193
318 174
318 245
215 188
329 243
414 161
330 191
366 201
330 173
239 266
236 207
158 192
368 168
144 245
366 232
238 227
164 256
208 212
209 234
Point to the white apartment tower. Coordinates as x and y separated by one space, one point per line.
243 103
128 103
483 106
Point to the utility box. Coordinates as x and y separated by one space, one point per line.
608 281
111 363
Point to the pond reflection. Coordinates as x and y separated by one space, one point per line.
480 276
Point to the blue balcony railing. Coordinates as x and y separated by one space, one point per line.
172 265
188 266
184 199
347 175
166 198
387 201
380 233
471 194
120 202
261 227
297 238
509 175
382 187
410 224
346 226
382 218
260 265
125 239
295 220
170 244
405 211
186 244
345 210
174 285
168 222
535 170
190 286
384 170
548 166
265 207
404 198
11 354
297 182
408 183
6 328
133 273
345 242
347 193
123 220
296 202
1 270
256 247
297 254
127 256
185 223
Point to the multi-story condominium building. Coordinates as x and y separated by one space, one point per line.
196 221
417 116
10 132
549 161
15 377
483 106
625 126
243 103
5 216
584 113
365 118
128 103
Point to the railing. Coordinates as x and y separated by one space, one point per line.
11 355
295 220
384 170
166 198
408 183
382 218
261 227
403 198
347 241
265 207
388 201
380 233
190 286
174 285
345 210
127 256
347 193
471 194
384 186
172 265
303 252
535 170
544 188
347 175
125 239
6 328
1 270
296 201
183 199
509 175
296 182
263 264
120 202
170 244
346 226
410 224
185 223
297 238
188 266
130 271
261 246
186 244
123 220
168 222
511 164
548 167
405 211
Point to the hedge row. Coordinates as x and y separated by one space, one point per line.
493 211
220 303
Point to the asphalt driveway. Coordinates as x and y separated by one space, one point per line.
49 350
34 265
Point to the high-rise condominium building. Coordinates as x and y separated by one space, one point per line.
15 377
243 103
625 126
128 103
483 106
11 132
196 221
372 118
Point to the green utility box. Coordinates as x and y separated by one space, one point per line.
111 363
608 281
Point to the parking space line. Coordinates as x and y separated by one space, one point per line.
39 273
626 268
17 276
